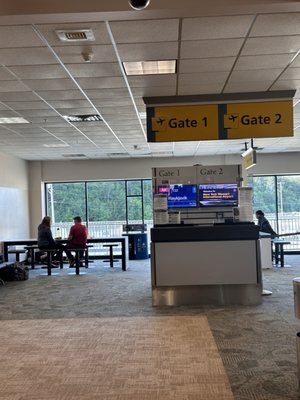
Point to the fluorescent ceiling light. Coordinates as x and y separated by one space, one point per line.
150 67
14 120
56 145
143 115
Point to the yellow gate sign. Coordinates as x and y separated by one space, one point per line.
259 120
220 121
181 123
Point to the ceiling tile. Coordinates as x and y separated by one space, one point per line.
39 71
216 27
67 104
255 75
162 30
59 94
286 84
38 113
76 111
240 87
107 93
263 61
206 65
271 45
276 25
12 86
5 75
154 91
49 84
201 88
94 70
18 36
149 51
296 62
27 105
106 82
73 54
18 96
210 48
152 80
26 56
205 77
291 73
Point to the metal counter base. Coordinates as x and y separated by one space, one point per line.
218 295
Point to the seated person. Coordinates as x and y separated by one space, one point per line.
264 224
46 241
77 239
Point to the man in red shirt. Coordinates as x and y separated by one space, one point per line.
77 238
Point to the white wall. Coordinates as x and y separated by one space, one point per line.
14 210
139 168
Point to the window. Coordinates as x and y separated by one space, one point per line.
279 198
104 206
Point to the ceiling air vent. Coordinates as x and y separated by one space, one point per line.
74 155
75 35
118 154
83 118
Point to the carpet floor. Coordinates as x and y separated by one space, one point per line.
130 358
97 336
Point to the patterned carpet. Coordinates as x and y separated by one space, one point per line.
95 337
129 358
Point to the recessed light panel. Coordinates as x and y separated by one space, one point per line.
150 67
14 120
56 145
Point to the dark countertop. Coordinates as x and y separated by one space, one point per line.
181 233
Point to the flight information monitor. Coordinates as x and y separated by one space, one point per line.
180 195
218 194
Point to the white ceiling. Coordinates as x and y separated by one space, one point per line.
239 48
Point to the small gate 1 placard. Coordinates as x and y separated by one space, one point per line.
220 121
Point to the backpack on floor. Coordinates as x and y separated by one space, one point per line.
14 272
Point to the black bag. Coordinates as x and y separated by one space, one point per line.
7 273
21 271
14 272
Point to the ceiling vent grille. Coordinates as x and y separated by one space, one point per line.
118 154
76 35
74 155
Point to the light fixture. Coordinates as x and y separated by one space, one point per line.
56 145
14 120
143 115
249 156
150 67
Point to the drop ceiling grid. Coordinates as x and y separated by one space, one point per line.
205 41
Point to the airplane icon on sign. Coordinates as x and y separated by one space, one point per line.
160 121
231 121
233 117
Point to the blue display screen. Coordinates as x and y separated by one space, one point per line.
218 194
180 195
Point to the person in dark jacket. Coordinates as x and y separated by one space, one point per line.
264 224
46 241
